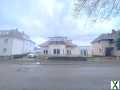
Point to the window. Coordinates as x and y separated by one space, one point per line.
63 51
68 52
56 51
100 50
6 40
4 50
86 52
45 51
81 52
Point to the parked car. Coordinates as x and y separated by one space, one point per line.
31 55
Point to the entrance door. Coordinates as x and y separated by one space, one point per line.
108 51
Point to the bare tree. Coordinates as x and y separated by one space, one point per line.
97 8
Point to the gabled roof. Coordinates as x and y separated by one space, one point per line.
109 36
14 33
70 44
67 43
45 44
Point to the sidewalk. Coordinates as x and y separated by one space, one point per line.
59 61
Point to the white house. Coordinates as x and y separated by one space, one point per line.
60 47
13 42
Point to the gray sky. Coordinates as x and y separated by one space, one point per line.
45 18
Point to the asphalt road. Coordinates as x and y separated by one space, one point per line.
83 76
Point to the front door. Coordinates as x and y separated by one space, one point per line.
108 51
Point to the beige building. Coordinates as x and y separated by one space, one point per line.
105 44
60 47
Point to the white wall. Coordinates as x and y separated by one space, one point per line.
7 45
28 47
15 46
61 47
42 50
75 51
18 46
21 46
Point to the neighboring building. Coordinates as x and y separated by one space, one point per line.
13 42
60 47
105 44
85 51
37 50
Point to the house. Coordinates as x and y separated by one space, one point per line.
105 44
13 42
59 47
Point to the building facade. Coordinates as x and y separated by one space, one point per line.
85 51
60 47
105 44
13 42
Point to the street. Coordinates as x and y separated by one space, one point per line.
83 76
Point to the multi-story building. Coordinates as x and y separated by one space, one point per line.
13 42
60 47
105 44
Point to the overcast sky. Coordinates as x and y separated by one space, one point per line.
45 18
